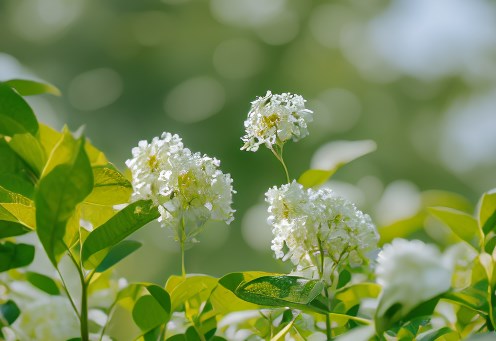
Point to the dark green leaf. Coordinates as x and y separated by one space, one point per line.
12 229
29 87
15 255
116 229
42 282
280 290
148 313
58 194
117 253
16 116
10 312
461 223
161 296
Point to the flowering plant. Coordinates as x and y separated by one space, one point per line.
351 280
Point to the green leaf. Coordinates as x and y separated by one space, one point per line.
433 335
117 253
110 187
487 211
29 87
42 282
148 313
349 297
161 296
183 289
10 312
337 154
280 291
58 194
16 116
30 150
15 255
116 229
12 229
461 223
15 174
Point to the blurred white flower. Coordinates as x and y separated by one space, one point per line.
187 187
412 272
308 223
274 119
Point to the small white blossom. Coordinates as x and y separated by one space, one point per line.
187 187
412 272
308 222
274 119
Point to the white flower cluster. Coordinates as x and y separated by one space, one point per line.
412 272
187 187
306 222
274 119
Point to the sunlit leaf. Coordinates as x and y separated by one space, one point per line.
487 211
332 157
461 223
30 150
183 289
110 187
27 87
58 194
120 226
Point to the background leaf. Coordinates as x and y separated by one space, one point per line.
16 116
42 282
461 223
15 255
27 87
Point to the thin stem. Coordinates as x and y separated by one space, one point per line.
84 298
110 314
326 292
281 160
182 240
73 304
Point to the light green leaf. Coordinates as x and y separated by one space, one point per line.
148 313
351 296
117 253
19 213
16 116
435 334
110 187
29 87
280 291
183 289
58 194
359 333
121 225
15 255
30 150
487 211
42 282
333 156
461 223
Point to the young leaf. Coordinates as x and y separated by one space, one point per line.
16 116
116 229
58 194
42 282
280 291
15 255
148 313
110 187
30 150
487 212
332 157
9 312
183 289
461 223
117 253
29 87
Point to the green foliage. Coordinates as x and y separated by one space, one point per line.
29 87
125 222
16 116
42 282
9 312
15 255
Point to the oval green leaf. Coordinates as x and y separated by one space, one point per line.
27 87
118 253
15 255
148 313
42 282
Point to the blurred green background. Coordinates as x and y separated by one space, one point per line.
418 77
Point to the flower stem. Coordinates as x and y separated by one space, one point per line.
84 311
279 157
